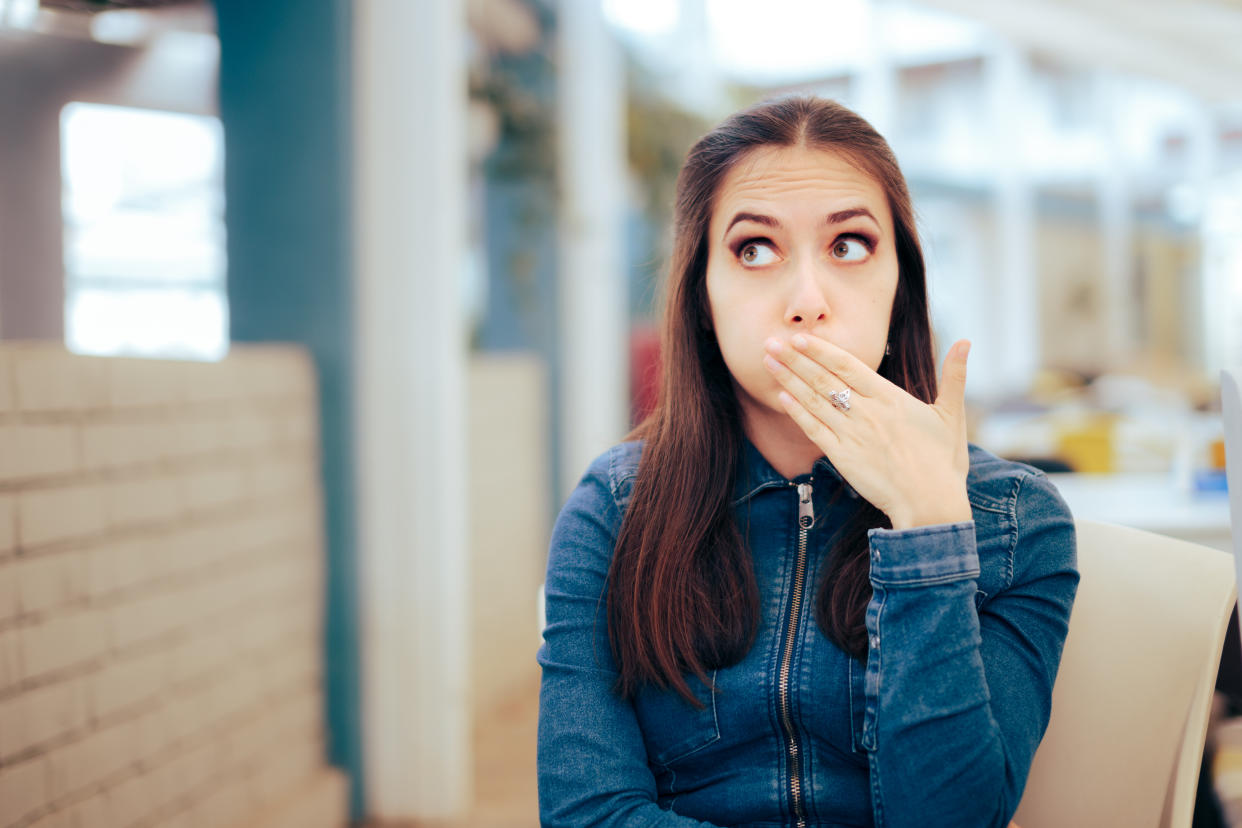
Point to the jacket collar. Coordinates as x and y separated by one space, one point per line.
755 474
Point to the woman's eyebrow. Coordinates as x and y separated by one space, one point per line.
758 218
852 212
833 218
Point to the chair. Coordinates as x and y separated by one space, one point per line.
1130 705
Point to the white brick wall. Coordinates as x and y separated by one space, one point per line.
6 383
161 579
8 524
66 512
29 451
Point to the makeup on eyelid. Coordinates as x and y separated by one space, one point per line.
739 246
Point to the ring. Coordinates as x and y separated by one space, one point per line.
840 399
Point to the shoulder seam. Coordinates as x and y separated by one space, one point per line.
615 477
1019 481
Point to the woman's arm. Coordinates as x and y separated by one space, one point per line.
957 699
592 760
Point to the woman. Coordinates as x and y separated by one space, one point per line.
799 597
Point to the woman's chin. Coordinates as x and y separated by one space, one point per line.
763 402
768 412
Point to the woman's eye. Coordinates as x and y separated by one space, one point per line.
849 249
756 254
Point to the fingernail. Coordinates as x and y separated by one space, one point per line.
799 341
773 346
770 363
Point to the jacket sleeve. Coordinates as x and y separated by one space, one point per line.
592 762
958 698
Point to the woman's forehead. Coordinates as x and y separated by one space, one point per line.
772 177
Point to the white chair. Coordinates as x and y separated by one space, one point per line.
1130 705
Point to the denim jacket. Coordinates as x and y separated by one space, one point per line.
938 725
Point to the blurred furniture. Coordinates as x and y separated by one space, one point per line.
1231 410
1130 705
1151 501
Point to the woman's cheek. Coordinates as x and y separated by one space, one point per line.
753 378
738 359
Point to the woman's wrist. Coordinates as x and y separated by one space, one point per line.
955 510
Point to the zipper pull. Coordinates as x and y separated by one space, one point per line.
806 509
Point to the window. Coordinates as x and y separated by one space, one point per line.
143 203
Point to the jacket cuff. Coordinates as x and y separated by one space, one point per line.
937 554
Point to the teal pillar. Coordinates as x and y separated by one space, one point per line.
285 101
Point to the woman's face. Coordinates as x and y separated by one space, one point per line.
799 241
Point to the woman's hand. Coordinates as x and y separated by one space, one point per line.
907 458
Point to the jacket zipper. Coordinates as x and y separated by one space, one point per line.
806 517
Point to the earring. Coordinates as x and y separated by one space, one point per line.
888 349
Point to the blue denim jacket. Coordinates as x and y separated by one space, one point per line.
936 728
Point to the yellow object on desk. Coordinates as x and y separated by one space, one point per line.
1218 453
1087 445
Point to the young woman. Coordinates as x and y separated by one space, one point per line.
799 597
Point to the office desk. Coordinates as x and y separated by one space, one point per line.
1152 502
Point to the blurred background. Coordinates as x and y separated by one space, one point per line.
389 270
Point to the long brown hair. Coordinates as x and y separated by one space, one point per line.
682 596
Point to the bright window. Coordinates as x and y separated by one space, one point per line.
143 202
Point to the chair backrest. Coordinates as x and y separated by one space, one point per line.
1130 705
1231 410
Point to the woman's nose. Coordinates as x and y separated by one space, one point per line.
808 305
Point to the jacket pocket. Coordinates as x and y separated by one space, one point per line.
672 728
